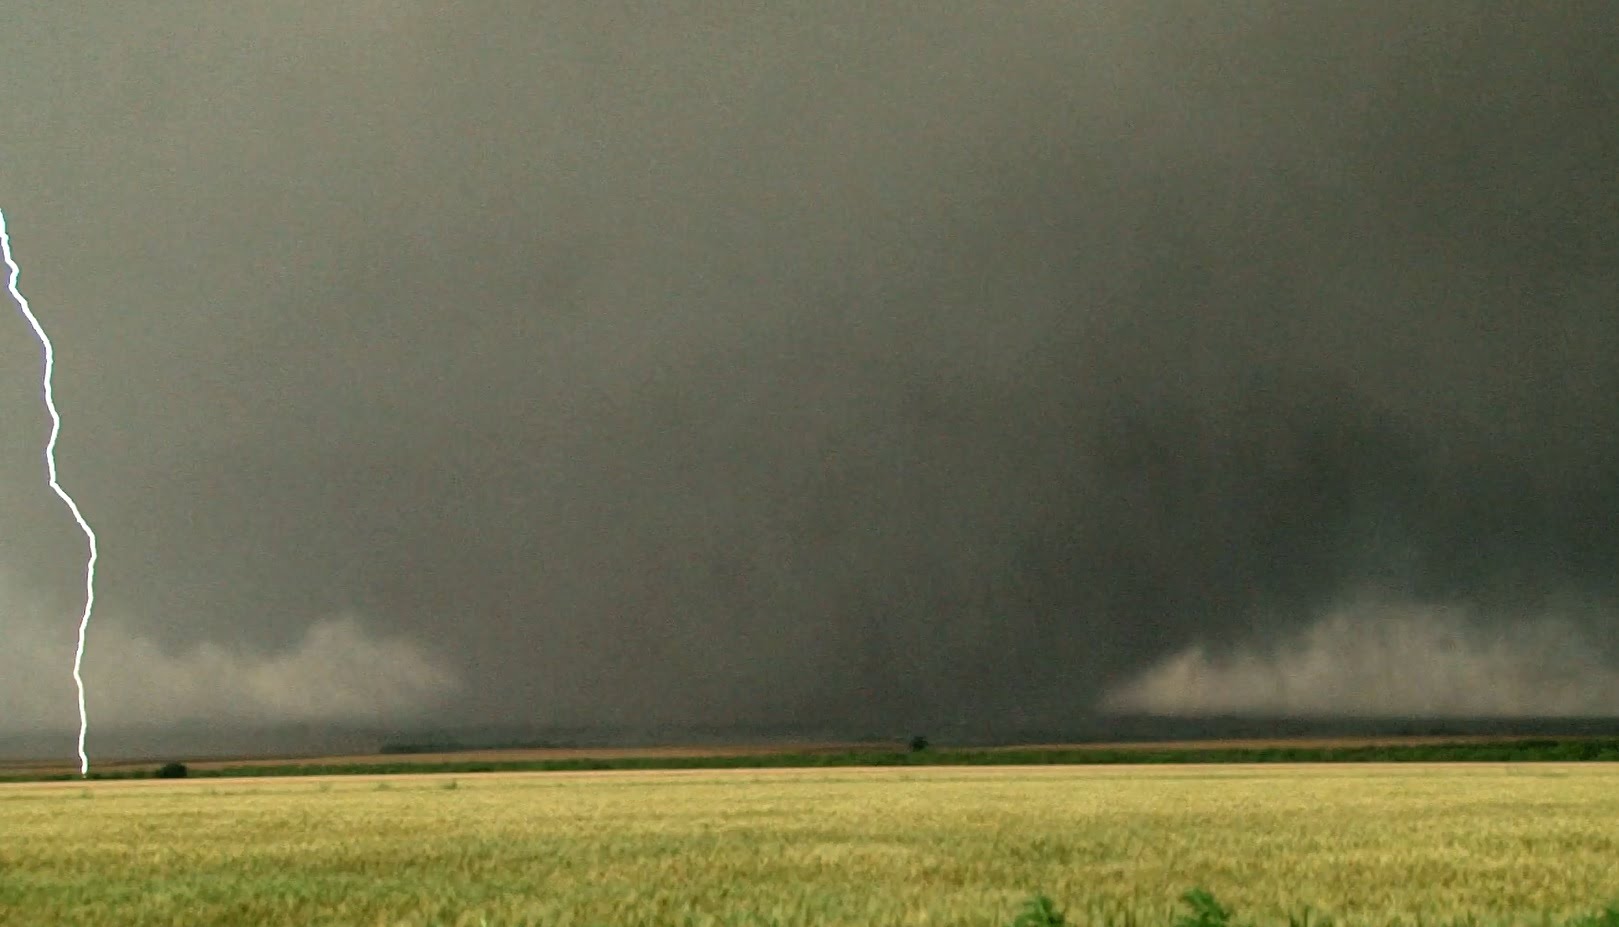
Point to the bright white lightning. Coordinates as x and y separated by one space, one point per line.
50 469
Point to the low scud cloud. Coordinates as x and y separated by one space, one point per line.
1376 658
338 671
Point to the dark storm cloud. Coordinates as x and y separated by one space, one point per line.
730 362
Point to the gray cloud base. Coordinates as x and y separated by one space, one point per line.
730 362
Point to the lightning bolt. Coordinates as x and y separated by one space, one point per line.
50 469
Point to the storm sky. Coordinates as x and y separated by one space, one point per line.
824 362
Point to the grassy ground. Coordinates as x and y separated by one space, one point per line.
1368 844
1341 750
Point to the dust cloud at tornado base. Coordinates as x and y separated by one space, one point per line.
802 363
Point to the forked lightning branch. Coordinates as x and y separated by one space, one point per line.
56 487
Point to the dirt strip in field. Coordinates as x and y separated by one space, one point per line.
533 754
1127 771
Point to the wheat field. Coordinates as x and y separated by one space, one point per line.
1363 844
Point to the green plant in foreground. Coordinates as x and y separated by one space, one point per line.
1206 912
1039 912
1609 917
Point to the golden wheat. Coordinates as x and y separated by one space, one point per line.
1366 844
